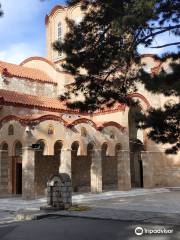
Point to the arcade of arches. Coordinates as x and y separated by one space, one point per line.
40 136
96 158
94 165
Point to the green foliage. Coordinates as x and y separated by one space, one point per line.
167 83
105 45
1 12
164 125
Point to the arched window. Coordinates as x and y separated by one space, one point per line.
4 147
57 148
50 129
11 130
59 35
59 32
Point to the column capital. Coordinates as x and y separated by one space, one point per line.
97 149
27 148
66 149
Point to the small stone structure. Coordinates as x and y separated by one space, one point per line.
59 192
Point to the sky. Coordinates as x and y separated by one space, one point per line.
22 30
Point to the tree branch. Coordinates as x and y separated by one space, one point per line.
158 32
167 45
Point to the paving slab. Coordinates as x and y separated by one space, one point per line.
17 203
157 205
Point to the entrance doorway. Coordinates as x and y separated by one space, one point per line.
136 146
16 175
19 178
136 165
17 169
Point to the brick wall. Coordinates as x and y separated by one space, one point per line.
81 172
45 167
109 172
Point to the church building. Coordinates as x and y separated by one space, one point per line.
40 136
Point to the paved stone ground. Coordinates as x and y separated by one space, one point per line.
15 203
155 206
167 202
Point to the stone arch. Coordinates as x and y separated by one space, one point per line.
81 168
57 147
143 100
16 167
46 165
4 146
75 146
118 148
90 146
43 148
109 169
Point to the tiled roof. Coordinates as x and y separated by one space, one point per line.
13 70
25 100
12 98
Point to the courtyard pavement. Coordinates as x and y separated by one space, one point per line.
147 205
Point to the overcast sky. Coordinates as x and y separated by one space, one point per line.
22 29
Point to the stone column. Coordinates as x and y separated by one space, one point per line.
28 173
96 171
65 166
123 165
4 166
147 161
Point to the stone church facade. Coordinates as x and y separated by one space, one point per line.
40 136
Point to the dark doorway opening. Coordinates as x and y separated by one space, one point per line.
136 163
19 178
136 147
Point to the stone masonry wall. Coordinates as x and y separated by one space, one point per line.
29 87
81 168
45 167
109 172
4 174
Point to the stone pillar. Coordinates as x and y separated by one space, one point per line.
123 165
28 173
96 171
4 176
65 166
147 161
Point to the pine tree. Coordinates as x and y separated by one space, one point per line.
1 12
164 122
105 45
